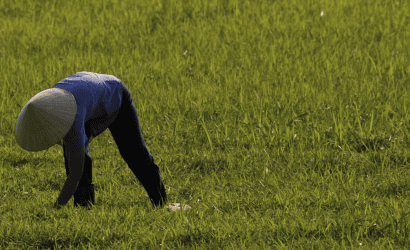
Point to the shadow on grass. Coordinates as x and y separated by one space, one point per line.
375 144
391 189
17 163
380 148
193 238
49 242
208 166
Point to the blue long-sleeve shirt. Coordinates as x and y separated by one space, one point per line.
98 98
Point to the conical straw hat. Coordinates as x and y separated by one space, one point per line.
45 119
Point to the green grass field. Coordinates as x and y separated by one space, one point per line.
283 124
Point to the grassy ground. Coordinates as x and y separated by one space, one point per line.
283 124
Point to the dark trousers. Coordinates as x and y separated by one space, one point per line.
126 131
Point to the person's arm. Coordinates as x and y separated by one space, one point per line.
61 141
75 166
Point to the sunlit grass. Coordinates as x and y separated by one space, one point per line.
283 124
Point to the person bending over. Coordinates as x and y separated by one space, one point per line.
71 114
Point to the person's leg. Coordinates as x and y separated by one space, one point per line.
127 134
84 193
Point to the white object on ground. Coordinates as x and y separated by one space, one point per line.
176 206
